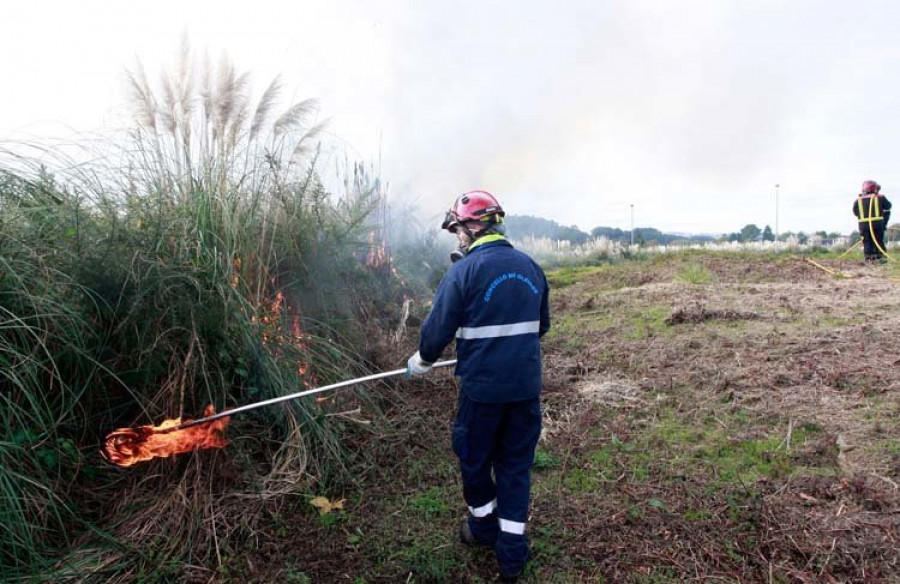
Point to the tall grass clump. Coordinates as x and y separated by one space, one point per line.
200 260
45 367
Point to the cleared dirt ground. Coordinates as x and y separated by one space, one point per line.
707 418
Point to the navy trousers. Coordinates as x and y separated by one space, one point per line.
495 444
870 247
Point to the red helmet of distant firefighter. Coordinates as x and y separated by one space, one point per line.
870 186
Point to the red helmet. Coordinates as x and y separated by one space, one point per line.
870 186
473 206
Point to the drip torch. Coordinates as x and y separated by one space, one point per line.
283 398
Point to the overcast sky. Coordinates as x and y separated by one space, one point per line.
689 110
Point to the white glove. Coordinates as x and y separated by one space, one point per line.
415 366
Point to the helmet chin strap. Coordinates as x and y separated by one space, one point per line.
462 250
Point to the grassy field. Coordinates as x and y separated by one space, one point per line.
708 417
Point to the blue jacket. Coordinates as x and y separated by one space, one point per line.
495 301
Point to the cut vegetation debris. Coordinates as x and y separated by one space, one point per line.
697 313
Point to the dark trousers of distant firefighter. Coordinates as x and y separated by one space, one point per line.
873 239
495 444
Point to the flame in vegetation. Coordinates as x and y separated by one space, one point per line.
128 446
377 255
281 328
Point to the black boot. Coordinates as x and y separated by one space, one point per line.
467 537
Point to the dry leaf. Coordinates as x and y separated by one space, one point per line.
325 506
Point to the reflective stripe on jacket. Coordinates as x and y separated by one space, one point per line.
495 303
871 207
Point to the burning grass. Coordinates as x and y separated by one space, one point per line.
128 446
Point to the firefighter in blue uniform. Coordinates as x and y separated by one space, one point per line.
873 211
494 302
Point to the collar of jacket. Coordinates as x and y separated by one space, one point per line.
487 239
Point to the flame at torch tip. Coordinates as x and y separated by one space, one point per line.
128 446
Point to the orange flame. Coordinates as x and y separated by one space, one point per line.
128 446
275 334
376 257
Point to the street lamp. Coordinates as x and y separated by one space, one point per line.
632 224
776 211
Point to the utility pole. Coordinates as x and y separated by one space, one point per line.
632 224
776 211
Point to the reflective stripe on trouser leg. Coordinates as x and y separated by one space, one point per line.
484 510
483 523
514 527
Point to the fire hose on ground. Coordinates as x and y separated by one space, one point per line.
878 244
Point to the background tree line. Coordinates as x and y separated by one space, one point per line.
524 226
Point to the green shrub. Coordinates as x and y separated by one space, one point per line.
694 274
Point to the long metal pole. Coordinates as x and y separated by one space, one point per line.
283 398
632 224
776 212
